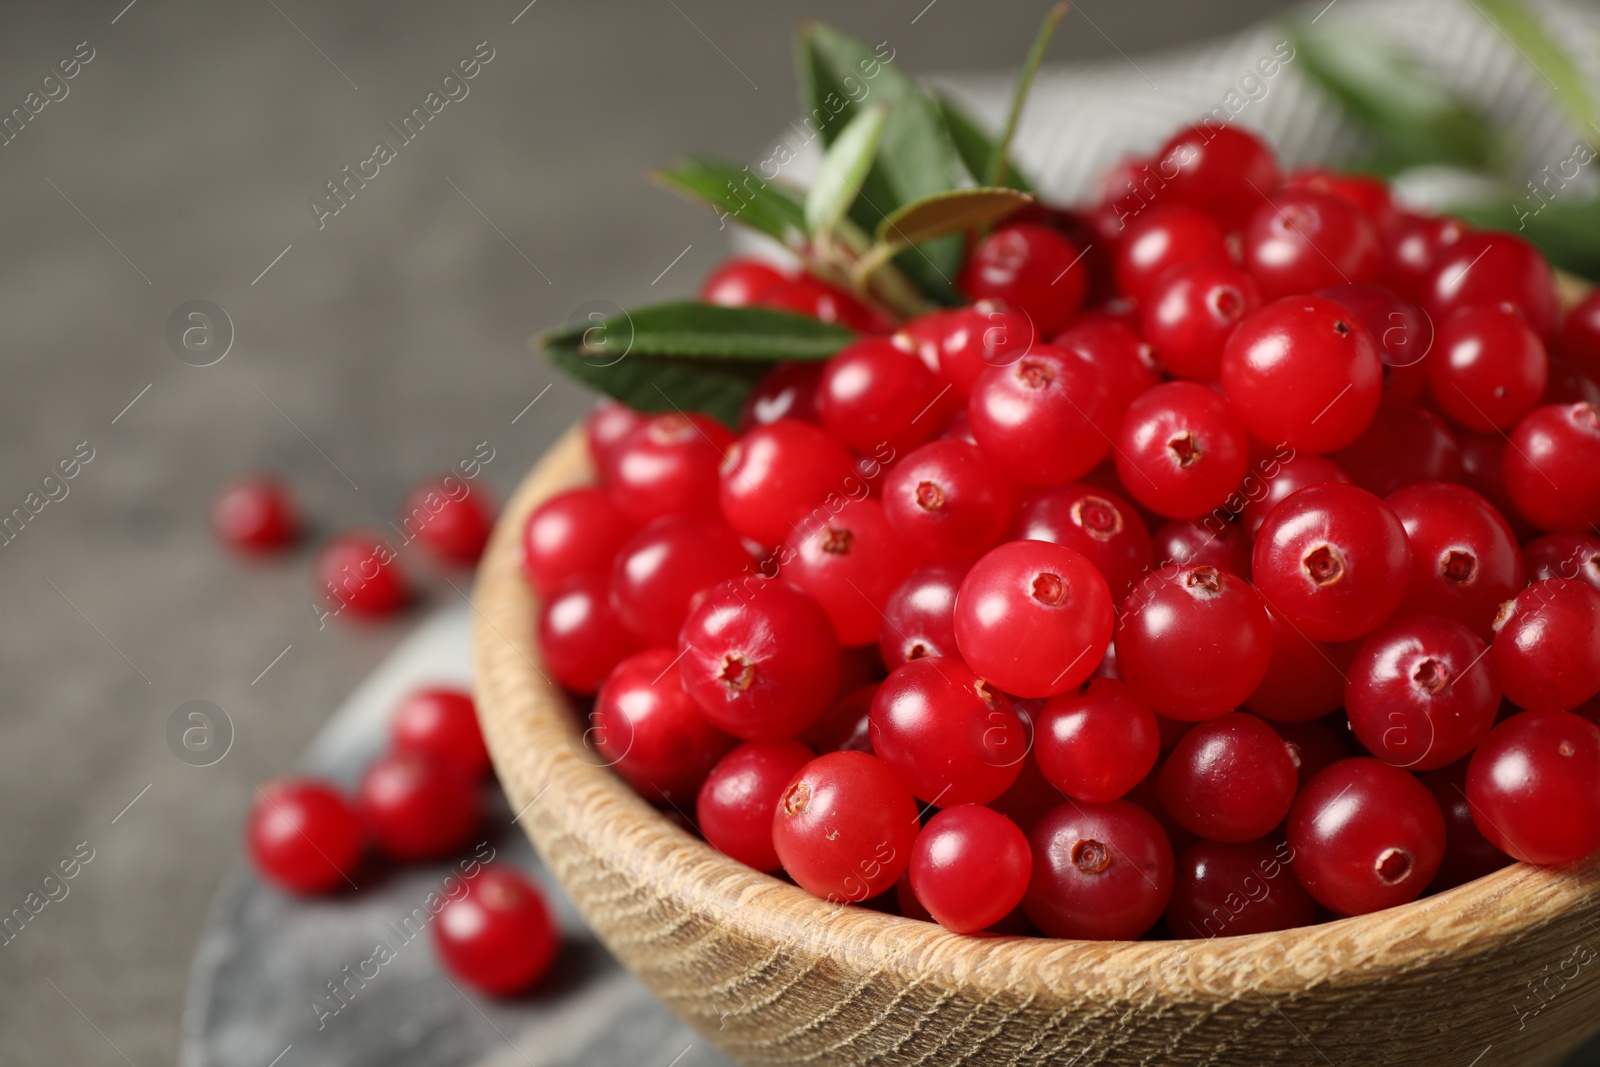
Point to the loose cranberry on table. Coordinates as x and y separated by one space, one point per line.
1564 556
1422 692
575 532
736 802
1485 269
255 514
1302 240
1464 557
948 735
1034 618
1400 329
581 636
787 391
606 426
1305 678
1032 268
1547 645
1488 367
1096 522
919 616
1227 890
851 565
451 519
1534 787
874 393
444 724
1467 853
1101 872
1181 450
1283 478
646 728
1552 467
1189 311
947 500
970 867
667 465
777 474
1402 445
1163 238
1334 560
499 938
1224 171
1044 419
1366 836
303 836
1096 742
844 827
1211 542
418 807
658 572
1230 778
357 574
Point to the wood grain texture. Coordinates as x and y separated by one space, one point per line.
1504 968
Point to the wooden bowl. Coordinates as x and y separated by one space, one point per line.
1500 971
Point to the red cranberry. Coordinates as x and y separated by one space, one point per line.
948 735
1534 787
738 282
499 938
740 795
1403 334
947 500
581 636
1224 171
662 568
1032 268
787 391
874 393
1483 465
1034 618
968 341
1030 797
846 725
1412 247
1044 418
1112 347
1316 744
1488 368
1547 645
1191 309
606 426
1552 467
1568 385
1366 836
255 514
1281 480
806 295
452 522
1097 523
667 465
1226 890
1101 872
1211 542
1231 778
777 474
1302 372
575 532
358 573
1403 445
1161 239
1181 450
649 731
970 867
417 807
1564 556
303 836
1096 742
1369 194
1579 339
844 827
444 724
1304 679
1464 558
919 616
1302 240
1485 269
850 566
1333 560
1467 853
762 668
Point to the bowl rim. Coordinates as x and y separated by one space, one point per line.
586 819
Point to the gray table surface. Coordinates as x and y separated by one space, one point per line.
368 354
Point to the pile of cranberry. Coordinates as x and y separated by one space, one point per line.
418 802
1228 563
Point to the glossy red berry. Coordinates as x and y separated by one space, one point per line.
1111 346
1547 645
1034 618
646 728
1488 367
444 724
1303 240
804 294
1032 268
575 532
965 342
1227 890
1316 744
1230 778
1579 339
970 867
606 426
844 827
1189 311
947 500
1210 542
919 618
875 394
1101 872
777 474
1464 558
1369 194
846 725
499 937
1280 479
450 518
660 570
581 636
1334 560
741 793
1483 466
739 282
1568 385
1366 836
1552 467
1421 692
763 664
1305 678
1403 445
359 576
850 565
1534 787
418 807
1099 524
1564 556
1043 419
1161 239
255 514
787 391
1401 331
303 836
1224 171
1484 269
1412 247
1193 641
949 736
667 465
1181 449
1096 742
1467 853
1303 372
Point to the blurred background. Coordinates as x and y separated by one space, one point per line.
369 350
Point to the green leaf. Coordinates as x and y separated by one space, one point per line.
1528 36
954 212
687 356
1412 118
998 162
844 168
741 196
839 76
1566 231
974 147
